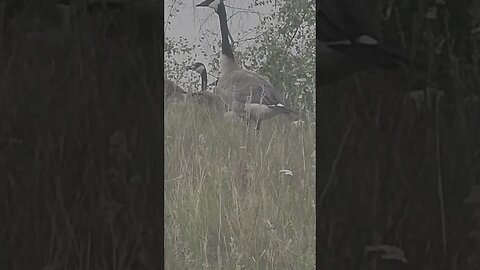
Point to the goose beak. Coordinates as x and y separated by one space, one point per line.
203 4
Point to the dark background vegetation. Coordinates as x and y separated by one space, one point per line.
81 148
389 174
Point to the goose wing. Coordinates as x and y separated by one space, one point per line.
250 87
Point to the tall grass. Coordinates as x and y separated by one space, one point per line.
228 205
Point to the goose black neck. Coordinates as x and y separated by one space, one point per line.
222 15
204 80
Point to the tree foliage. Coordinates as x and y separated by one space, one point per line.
285 51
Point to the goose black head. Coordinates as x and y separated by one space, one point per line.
211 4
197 66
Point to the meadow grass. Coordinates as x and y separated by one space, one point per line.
227 203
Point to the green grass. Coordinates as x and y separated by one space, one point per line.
227 206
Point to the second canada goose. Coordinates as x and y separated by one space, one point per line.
172 91
348 40
200 69
203 96
250 95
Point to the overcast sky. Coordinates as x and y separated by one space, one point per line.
193 22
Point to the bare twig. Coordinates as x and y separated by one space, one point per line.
296 31
246 10
248 39
170 12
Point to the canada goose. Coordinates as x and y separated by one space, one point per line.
200 69
173 92
250 95
348 40
204 96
